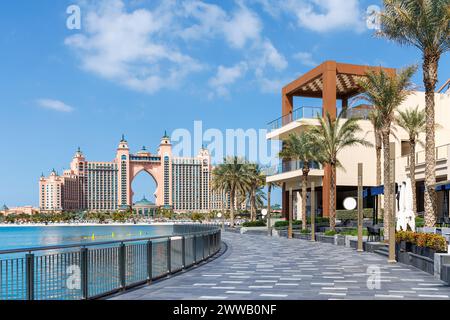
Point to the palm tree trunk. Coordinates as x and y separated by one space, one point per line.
387 184
430 66
412 172
379 148
253 205
232 198
304 195
333 197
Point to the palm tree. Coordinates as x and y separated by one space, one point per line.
232 177
332 136
425 25
376 118
257 180
386 93
413 121
301 147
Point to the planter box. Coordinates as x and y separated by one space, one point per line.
423 251
324 238
303 236
339 240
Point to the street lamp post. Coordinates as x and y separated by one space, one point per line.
360 207
391 185
313 211
220 216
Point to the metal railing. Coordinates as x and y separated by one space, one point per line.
290 166
441 154
300 113
89 271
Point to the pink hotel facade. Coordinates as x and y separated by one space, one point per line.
183 184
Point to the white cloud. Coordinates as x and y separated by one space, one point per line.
126 47
327 15
244 26
55 105
305 58
271 57
141 48
237 28
226 77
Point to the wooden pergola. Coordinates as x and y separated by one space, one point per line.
331 81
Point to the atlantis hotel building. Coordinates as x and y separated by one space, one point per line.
183 184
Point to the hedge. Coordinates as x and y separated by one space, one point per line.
353 214
258 223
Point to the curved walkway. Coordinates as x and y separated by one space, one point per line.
259 267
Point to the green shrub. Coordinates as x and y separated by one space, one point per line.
353 214
330 233
258 223
306 231
352 232
420 222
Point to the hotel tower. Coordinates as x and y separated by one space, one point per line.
183 184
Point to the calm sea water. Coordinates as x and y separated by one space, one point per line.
26 237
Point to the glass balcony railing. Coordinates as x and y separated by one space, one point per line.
313 112
290 166
297 114
356 113
441 154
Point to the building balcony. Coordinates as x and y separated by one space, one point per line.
305 116
442 162
297 114
292 169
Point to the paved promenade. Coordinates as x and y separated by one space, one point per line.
259 267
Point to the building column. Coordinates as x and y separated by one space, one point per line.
284 203
300 200
329 106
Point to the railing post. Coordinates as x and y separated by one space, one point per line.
84 273
195 249
29 258
122 265
204 245
169 255
149 261
183 251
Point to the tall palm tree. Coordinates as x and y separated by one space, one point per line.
301 147
332 136
413 121
386 93
425 25
232 177
376 118
257 179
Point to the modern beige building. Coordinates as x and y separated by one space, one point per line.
333 85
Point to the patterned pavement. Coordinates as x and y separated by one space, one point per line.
254 267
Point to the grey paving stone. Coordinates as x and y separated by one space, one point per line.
257 267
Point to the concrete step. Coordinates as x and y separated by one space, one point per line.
384 251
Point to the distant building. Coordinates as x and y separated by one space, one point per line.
145 208
29 210
183 184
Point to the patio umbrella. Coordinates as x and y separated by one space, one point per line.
409 213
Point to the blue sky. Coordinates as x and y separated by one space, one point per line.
141 67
